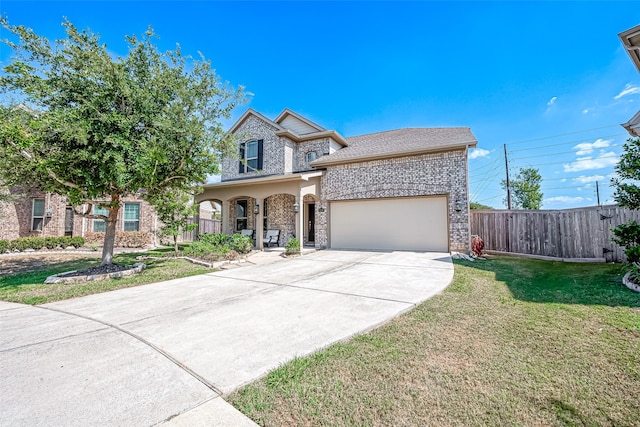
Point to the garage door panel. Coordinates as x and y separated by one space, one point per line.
395 224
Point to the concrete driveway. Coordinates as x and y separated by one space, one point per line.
168 351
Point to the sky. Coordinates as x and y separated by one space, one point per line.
550 80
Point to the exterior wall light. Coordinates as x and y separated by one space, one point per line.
458 205
49 213
296 207
256 209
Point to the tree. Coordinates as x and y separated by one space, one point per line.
627 194
98 128
474 205
174 210
525 189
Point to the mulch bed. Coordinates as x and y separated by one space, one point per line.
101 269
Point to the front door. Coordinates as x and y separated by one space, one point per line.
311 215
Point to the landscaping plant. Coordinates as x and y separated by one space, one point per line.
627 194
292 246
96 127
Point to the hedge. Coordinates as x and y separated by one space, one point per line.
36 243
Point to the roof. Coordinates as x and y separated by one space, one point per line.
631 41
398 143
633 125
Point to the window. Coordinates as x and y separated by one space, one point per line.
264 214
132 217
251 156
37 216
241 215
311 156
99 225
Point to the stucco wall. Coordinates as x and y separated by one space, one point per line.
428 174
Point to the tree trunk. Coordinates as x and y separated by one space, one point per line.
175 243
110 232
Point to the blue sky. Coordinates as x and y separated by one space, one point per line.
549 79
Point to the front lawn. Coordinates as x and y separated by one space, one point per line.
27 285
511 342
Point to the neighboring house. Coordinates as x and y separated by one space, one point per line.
37 213
404 189
631 42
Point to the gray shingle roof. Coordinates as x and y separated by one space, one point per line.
400 142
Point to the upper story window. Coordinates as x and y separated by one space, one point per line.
37 214
311 156
251 156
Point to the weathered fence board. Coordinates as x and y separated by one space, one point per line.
208 226
569 233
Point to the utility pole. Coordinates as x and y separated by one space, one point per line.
506 165
597 193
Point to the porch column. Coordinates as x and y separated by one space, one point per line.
259 225
300 219
226 216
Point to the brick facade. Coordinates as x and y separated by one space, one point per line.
441 173
16 218
424 175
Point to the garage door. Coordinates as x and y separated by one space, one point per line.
417 224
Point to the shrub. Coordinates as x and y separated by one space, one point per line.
20 244
50 242
4 245
241 243
292 246
93 237
206 250
76 241
215 239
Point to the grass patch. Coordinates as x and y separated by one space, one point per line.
511 342
27 287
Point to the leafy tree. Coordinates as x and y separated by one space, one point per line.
174 210
525 189
99 127
627 194
474 205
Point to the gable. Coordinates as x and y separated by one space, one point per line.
297 126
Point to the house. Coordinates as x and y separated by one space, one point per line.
631 41
404 189
38 213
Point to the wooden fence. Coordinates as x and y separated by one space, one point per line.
209 226
569 233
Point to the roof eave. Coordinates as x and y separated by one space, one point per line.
631 41
252 112
309 136
303 176
322 161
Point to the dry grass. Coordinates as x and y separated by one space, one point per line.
510 342
22 278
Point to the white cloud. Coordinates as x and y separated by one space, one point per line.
585 111
478 152
588 147
552 101
588 163
585 179
565 199
563 180
628 90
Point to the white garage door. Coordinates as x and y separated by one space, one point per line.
416 224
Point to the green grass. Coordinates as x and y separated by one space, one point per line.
28 287
511 342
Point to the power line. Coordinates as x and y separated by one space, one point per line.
565 143
564 134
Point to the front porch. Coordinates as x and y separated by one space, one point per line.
287 203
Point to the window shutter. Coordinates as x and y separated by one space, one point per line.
241 163
260 152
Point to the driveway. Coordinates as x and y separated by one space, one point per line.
168 351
